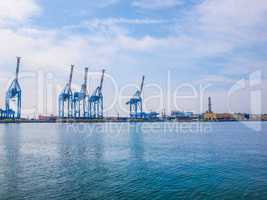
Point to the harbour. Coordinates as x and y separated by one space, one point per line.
133 100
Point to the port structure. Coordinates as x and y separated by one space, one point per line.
80 99
209 105
66 99
13 94
95 101
136 103
209 115
1 113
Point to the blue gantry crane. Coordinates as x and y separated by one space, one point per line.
2 112
66 99
136 103
96 101
13 94
79 99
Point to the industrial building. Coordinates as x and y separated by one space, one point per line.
151 115
181 114
264 117
184 116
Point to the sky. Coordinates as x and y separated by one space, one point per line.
187 49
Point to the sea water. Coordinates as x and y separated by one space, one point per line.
225 160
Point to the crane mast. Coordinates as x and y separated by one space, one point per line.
136 102
66 98
84 85
79 99
71 74
142 85
13 94
102 80
17 68
96 100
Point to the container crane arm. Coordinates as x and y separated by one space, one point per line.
71 74
85 75
102 80
142 86
17 69
138 93
84 86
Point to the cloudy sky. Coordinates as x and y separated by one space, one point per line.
187 49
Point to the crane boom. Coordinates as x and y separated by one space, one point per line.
102 79
71 73
84 86
142 85
17 69
85 76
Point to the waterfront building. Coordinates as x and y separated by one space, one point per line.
209 115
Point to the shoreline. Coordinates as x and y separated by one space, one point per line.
90 121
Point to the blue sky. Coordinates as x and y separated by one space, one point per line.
198 42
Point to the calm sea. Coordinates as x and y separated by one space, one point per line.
133 161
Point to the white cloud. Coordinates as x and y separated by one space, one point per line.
226 14
156 4
111 21
13 11
215 79
49 49
219 27
112 25
144 44
104 3
239 22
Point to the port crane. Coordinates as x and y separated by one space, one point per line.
65 97
13 94
96 100
136 103
79 99
2 112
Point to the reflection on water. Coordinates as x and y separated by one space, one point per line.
11 161
136 143
11 143
63 161
80 154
